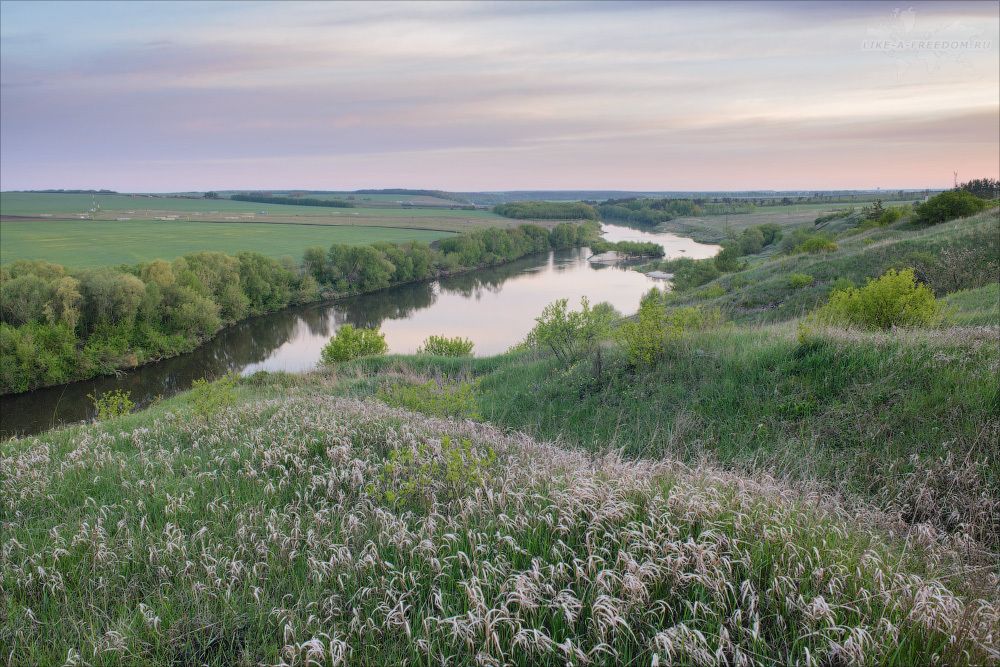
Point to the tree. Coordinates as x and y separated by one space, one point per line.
23 299
984 188
64 306
211 195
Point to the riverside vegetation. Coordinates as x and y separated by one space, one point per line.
59 324
711 482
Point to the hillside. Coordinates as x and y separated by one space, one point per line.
315 530
771 489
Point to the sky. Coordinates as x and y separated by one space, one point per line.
174 96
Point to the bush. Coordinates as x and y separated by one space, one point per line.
445 399
111 404
443 346
895 299
815 244
420 476
208 398
350 343
799 280
728 259
571 335
948 206
713 292
690 273
647 337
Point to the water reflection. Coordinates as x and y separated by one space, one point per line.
493 307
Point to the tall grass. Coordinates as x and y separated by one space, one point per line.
277 533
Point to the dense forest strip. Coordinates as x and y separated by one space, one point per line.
59 325
294 201
546 210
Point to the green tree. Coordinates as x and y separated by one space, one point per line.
23 299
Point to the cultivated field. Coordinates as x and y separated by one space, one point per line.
78 243
142 207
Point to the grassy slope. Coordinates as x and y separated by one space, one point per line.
715 228
295 508
306 527
762 293
94 243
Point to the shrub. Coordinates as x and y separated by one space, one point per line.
948 206
816 244
842 283
728 259
894 299
208 398
445 399
350 343
443 346
646 338
571 335
111 404
689 273
417 476
713 292
799 280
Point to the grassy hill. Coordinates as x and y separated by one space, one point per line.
961 254
762 494
307 527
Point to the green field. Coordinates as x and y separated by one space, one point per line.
150 207
79 243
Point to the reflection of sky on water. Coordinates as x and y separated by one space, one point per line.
673 245
495 312
494 307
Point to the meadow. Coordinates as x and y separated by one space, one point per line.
381 212
84 243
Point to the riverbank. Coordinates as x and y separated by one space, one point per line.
61 325
493 307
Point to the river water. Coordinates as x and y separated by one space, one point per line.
495 308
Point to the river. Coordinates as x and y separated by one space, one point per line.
495 308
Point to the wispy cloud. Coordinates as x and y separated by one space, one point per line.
478 95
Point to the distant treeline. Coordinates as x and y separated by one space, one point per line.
58 325
628 249
647 211
294 201
70 192
440 194
546 210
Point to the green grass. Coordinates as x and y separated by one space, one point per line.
716 228
78 243
978 306
382 212
766 490
950 256
294 526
